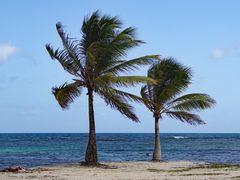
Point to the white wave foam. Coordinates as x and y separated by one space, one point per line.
179 137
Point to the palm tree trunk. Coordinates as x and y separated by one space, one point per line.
91 157
157 148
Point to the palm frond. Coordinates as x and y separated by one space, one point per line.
127 96
70 56
130 65
108 25
66 93
90 31
96 28
103 43
122 81
146 94
187 117
172 79
117 102
194 101
71 46
63 58
116 47
121 42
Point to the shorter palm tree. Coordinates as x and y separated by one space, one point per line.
163 98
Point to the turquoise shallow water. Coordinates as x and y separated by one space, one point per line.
43 149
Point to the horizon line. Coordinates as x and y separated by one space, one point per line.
120 133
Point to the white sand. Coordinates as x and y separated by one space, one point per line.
129 170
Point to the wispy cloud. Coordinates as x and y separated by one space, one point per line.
11 79
224 52
7 50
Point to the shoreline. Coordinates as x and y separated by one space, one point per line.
130 170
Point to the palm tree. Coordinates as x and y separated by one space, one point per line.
96 63
163 97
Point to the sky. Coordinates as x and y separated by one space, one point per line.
204 35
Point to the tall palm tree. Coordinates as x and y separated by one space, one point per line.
163 97
96 61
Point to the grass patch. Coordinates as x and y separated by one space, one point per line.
204 174
236 177
200 166
156 170
216 166
172 170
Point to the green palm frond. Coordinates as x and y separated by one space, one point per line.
108 25
124 95
146 94
90 31
172 79
69 57
104 44
117 102
70 65
62 56
96 28
184 116
71 46
194 101
122 41
127 96
116 47
130 65
66 93
122 81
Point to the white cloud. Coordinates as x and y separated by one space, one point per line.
6 50
231 51
218 52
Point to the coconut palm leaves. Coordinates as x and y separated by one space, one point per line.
97 62
164 96
66 93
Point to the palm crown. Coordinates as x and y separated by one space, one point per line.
96 62
172 79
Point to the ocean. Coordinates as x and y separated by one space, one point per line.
31 150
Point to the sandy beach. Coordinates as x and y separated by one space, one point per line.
130 170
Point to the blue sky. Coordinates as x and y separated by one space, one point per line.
204 35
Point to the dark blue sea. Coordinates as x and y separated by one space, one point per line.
31 150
